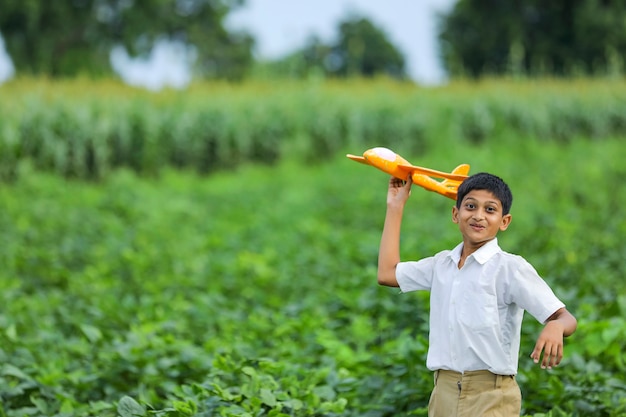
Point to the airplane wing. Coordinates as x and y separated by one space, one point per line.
455 176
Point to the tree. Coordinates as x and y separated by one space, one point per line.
559 37
64 38
360 50
363 49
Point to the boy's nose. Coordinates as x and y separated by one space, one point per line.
479 214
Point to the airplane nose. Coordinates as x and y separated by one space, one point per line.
382 153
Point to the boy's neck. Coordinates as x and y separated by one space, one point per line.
468 249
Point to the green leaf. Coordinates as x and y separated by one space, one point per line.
128 407
10 370
11 333
41 405
277 413
268 397
249 371
325 392
67 407
92 333
186 408
100 406
294 403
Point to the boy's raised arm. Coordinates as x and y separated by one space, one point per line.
389 251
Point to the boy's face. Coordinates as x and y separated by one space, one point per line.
480 217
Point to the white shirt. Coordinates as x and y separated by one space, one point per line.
476 312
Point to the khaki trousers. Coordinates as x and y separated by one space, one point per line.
474 394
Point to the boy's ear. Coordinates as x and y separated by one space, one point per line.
455 214
506 221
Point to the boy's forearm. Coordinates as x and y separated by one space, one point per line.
566 319
389 251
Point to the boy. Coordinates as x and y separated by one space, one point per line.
478 296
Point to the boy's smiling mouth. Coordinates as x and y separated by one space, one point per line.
477 227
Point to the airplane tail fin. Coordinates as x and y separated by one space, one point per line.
462 169
448 186
453 185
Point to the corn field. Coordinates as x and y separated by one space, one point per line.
85 129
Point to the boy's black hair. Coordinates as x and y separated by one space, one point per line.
489 182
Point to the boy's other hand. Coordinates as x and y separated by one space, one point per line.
561 324
399 191
550 342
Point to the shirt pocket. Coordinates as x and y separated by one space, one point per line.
479 306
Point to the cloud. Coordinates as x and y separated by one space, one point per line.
7 70
168 65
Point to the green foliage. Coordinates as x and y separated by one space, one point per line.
82 129
534 37
53 38
61 39
252 292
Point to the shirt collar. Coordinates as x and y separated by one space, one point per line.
482 255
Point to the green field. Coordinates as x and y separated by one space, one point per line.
252 291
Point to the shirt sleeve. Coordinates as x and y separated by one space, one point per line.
532 293
415 275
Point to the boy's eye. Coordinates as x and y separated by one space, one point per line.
469 206
491 209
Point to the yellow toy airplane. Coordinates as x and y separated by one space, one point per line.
388 161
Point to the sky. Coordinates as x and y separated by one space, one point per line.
283 26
